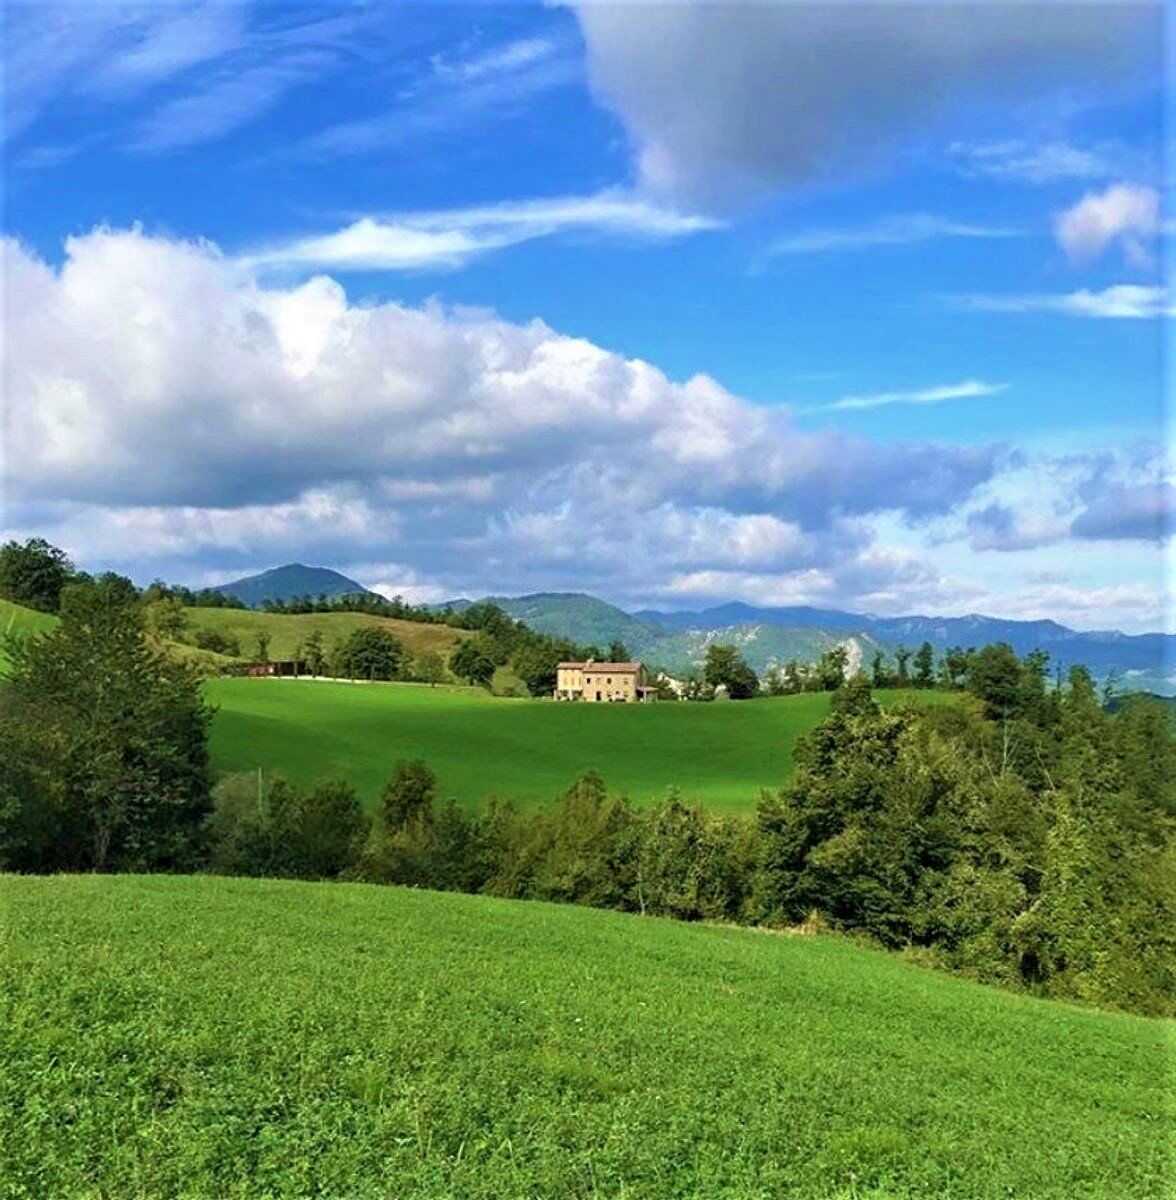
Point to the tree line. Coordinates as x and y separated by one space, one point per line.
1022 835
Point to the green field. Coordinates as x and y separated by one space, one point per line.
527 750
218 1038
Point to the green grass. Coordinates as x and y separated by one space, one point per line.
288 631
18 621
213 1038
526 750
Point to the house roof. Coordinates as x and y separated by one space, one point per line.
617 668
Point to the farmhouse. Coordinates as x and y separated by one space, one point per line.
602 682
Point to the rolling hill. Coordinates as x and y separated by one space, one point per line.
289 582
288 631
211 1037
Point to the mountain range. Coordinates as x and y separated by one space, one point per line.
769 637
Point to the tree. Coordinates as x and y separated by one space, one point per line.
429 668
925 666
879 670
165 617
263 641
536 667
725 667
311 652
471 662
34 574
408 795
108 738
370 653
284 831
617 652
902 656
830 671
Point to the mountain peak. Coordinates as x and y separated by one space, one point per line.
289 581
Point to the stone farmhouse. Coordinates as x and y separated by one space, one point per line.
602 682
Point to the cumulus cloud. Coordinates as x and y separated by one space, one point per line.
451 237
726 102
1125 214
160 399
1122 301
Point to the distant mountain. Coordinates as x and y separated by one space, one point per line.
582 618
769 637
288 582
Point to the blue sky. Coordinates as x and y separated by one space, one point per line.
858 306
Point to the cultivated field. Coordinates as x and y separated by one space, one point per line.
527 750
217 1038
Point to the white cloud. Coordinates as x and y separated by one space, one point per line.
723 102
450 237
1125 214
59 51
936 395
1123 301
499 60
225 104
167 411
1044 162
890 231
458 94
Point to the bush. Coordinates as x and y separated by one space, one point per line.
284 831
218 643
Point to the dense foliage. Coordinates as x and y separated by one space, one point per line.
103 743
34 574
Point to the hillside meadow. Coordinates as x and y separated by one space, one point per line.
288 631
480 745
232 1038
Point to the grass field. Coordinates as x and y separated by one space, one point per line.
526 750
216 1038
288 631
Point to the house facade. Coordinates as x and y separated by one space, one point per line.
602 682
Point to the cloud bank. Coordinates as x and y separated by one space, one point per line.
163 403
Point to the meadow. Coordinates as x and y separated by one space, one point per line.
205 1037
287 632
480 745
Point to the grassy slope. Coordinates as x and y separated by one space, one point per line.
528 750
288 631
18 621
241 1038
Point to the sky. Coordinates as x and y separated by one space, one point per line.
863 306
